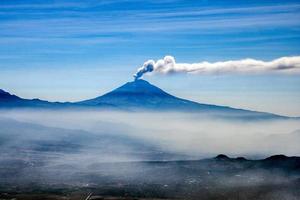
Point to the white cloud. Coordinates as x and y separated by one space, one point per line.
167 65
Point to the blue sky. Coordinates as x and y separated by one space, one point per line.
73 50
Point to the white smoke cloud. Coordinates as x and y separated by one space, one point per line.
168 65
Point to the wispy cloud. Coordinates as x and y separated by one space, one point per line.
41 5
61 40
141 20
75 4
83 26
85 22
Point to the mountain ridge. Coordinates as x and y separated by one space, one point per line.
137 95
8 100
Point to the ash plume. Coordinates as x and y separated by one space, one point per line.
168 65
147 67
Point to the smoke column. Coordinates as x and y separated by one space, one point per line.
168 65
147 67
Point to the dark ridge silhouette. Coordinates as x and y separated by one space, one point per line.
241 159
277 157
222 157
282 162
8 100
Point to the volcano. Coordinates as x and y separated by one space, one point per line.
141 95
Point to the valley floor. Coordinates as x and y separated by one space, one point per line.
220 178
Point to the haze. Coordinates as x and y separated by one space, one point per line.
193 135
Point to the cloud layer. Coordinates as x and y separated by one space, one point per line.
168 65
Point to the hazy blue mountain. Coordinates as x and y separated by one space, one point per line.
135 96
141 95
8 100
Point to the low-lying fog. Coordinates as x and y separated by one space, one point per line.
124 134
80 148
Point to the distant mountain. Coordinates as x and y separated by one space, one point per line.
136 96
8 100
141 95
276 161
